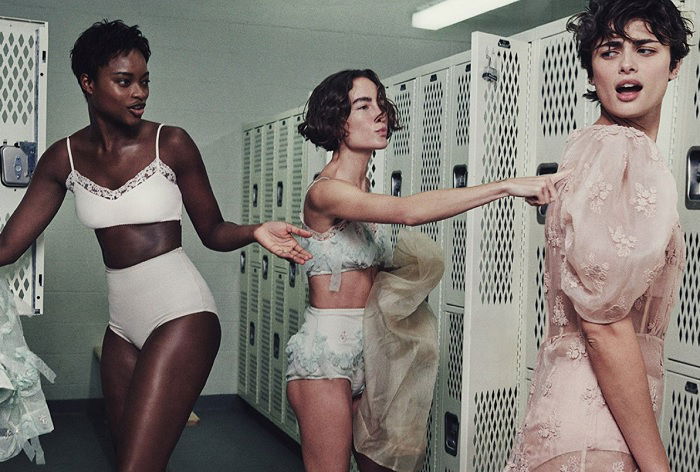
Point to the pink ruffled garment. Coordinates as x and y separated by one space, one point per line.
614 249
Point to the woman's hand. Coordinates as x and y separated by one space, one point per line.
276 237
538 190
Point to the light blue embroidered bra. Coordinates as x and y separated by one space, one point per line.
348 245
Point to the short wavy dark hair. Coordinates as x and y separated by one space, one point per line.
102 42
606 18
329 106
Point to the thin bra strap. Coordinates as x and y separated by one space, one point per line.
317 179
157 141
70 154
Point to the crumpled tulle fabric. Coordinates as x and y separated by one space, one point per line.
401 357
24 415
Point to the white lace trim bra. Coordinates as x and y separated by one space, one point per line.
150 196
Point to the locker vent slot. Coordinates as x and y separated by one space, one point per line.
500 154
459 253
494 428
17 78
558 93
265 354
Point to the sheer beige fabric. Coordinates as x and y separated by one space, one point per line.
401 357
614 248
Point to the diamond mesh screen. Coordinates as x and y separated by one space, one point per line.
689 317
432 143
265 343
560 72
454 349
245 197
500 153
19 276
17 77
494 429
540 300
684 441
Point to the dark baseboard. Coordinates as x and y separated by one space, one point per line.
96 405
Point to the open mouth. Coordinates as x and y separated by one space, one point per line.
628 88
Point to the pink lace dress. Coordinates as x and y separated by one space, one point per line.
614 249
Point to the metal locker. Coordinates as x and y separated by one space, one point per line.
22 140
297 178
243 277
265 325
556 108
294 304
281 190
680 426
490 371
277 359
398 174
256 190
252 343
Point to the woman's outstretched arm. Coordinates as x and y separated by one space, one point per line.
182 154
344 201
617 361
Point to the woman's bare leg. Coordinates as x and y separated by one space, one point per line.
324 411
170 372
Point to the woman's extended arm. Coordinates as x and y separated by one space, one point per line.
39 205
203 209
617 361
342 200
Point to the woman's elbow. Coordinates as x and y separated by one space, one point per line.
601 337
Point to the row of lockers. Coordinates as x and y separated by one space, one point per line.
504 109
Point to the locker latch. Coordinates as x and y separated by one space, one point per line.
459 176
280 194
265 266
242 262
251 333
544 169
451 434
396 183
17 164
692 179
276 346
292 274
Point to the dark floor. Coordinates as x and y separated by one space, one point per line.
230 437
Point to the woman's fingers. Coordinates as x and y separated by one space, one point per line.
560 175
298 231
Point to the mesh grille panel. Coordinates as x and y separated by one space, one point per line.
558 93
264 379
684 441
689 317
242 341
19 276
431 145
401 140
17 77
245 197
494 425
500 153
540 300
454 363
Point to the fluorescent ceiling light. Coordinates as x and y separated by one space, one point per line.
449 12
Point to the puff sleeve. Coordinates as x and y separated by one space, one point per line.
618 211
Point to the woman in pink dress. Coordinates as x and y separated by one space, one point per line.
615 255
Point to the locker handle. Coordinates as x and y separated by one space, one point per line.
451 433
292 274
242 262
396 183
403 87
255 195
276 346
265 266
433 77
692 179
504 43
545 169
691 387
280 193
459 176
251 333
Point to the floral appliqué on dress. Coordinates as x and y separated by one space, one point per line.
559 317
645 200
597 194
596 273
623 243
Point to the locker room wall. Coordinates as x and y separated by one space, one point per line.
208 81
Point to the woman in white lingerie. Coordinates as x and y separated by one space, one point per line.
131 178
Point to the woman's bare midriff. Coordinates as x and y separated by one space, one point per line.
127 245
355 286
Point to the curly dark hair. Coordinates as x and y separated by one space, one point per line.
606 18
102 42
328 108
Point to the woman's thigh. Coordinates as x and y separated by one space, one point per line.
170 372
324 411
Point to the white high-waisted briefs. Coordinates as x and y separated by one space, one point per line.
328 346
146 295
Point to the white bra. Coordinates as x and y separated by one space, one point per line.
150 196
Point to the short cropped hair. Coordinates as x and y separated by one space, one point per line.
102 42
329 106
606 18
